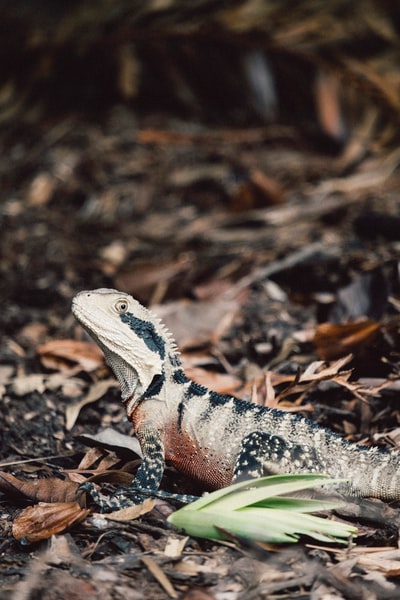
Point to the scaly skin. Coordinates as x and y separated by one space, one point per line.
213 438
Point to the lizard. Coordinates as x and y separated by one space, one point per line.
213 438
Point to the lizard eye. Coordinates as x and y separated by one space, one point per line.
121 306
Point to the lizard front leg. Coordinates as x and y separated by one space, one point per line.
151 470
260 452
148 477
146 481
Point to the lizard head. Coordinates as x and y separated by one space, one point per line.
134 342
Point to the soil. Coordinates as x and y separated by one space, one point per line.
246 240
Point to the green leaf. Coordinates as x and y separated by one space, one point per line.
272 486
256 510
301 505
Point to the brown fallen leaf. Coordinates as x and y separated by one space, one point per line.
43 520
223 383
333 341
141 280
319 371
51 489
26 384
23 385
159 575
296 386
197 323
97 390
175 545
132 512
59 354
119 477
112 440
91 457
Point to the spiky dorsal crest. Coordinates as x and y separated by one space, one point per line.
165 333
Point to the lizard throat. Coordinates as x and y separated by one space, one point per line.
131 388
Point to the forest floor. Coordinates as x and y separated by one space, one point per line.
262 254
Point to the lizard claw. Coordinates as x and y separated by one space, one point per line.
103 502
125 497
136 494
121 498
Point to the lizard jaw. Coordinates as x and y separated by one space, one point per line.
131 387
130 349
128 379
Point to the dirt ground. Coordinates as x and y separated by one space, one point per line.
263 251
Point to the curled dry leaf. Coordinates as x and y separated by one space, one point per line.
39 490
132 512
333 341
43 520
59 354
117 476
113 440
97 390
319 371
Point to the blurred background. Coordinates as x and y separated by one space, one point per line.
234 165
173 149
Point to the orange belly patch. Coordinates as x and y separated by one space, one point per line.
186 455
199 463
